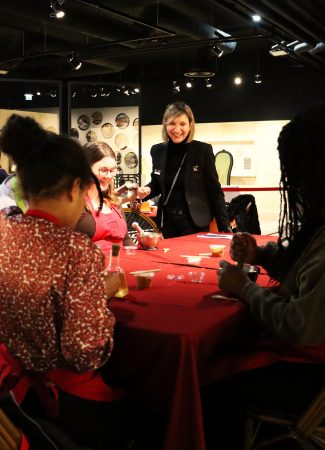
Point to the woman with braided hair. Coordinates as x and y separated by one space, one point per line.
290 313
292 310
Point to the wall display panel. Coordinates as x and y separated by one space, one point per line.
119 128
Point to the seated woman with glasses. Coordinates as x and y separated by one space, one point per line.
103 221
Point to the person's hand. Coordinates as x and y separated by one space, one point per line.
243 248
112 282
143 191
231 279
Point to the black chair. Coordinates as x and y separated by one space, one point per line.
41 434
224 162
145 222
243 215
307 430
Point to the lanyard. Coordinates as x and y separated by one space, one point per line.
170 190
174 181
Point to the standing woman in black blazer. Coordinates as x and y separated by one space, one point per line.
185 177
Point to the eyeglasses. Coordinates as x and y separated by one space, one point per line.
105 171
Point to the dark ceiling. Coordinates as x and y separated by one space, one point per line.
139 40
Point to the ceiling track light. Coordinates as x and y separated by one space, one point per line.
238 80
57 11
74 62
208 83
176 87
257 78
256 18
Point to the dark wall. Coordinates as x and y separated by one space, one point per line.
279 96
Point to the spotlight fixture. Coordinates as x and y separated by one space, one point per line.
217 51
176 87
104 93
189 84
256 18
208 83
28 96
136 90
257 78
126 90
238 80
74 62
57 11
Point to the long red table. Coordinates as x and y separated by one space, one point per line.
170 337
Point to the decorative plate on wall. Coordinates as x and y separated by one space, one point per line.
131 160
74 133
83 122
118 156
121 141
107 130
122 120
91 136
97 117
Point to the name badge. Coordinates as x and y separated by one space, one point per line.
156 171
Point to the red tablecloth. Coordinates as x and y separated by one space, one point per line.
173 337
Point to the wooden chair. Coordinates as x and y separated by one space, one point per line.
145 222
308 429
10 435
224 162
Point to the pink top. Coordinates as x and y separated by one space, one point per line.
110 228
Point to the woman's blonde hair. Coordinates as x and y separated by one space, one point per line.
174 110
95 151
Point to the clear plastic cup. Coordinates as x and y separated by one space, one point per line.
143 281
130 249
196 276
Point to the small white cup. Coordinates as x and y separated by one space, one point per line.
194 259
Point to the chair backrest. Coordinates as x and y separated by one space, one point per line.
10 435
243 214
145 222
306 430
224 162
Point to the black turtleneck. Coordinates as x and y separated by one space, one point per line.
175 154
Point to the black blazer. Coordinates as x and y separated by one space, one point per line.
203 192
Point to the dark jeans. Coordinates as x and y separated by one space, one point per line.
284 387
178 222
